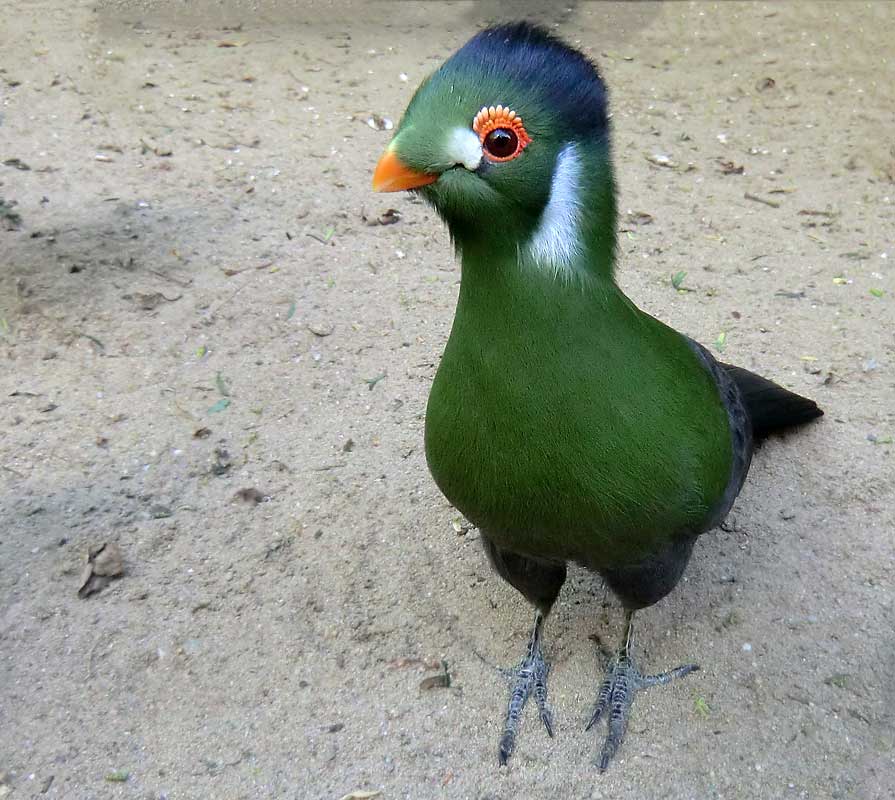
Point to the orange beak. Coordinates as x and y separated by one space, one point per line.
393 175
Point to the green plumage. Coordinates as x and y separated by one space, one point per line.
567 423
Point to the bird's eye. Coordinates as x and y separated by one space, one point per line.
501 143
501 132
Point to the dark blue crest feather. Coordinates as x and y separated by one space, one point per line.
569 81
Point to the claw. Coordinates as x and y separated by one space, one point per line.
617 692
602 702
529 678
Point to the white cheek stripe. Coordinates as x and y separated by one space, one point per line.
464 147
556 242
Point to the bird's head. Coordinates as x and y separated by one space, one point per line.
509 138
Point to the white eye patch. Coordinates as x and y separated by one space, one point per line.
464 147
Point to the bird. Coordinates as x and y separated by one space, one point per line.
564 422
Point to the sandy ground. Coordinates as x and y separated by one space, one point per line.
196 299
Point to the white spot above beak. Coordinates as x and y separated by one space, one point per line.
464 147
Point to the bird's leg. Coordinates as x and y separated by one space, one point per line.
529 677
617 691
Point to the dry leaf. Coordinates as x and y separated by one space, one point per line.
640 218
388 217
249 495
441 681
729 168
149 301
379 123
104 562
359 794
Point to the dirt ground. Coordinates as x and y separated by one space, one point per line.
217 358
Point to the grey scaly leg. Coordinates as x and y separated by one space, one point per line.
617 691
530 677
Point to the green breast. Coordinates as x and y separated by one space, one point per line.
567 424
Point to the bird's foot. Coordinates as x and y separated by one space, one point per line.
528 678
617 691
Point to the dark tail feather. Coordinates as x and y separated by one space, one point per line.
771 407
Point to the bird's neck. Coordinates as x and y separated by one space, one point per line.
571 239
501 293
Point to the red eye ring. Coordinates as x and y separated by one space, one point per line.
498 118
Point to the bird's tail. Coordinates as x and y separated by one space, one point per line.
771 407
